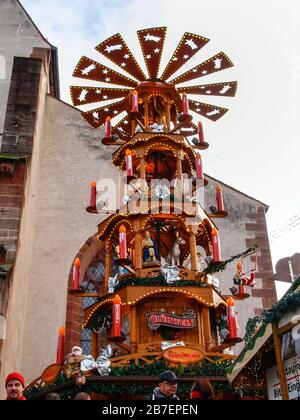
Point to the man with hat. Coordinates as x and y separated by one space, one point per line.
14 385
167 389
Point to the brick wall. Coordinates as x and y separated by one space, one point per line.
258 232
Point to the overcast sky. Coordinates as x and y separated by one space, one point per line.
255 147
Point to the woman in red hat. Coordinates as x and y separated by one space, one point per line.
15 385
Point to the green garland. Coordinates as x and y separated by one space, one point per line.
157 281
222 265
207 369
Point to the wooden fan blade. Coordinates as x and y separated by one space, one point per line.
152 43
212 112
217 63
91 70
123 129
189 130
82 95
117 51
214 89
189 45
97 117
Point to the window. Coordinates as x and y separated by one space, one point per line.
86 342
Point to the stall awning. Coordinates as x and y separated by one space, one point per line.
249 352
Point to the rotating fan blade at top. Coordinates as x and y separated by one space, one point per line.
212 112
91 70
214 89
82 95
217 63
117 51
97 117
189 45
152 43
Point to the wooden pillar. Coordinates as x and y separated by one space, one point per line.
193 249
280 363
143 169
168 106
138 265
94 345
179 168
206 324
133 329
108 258
134 126
146 113
200 335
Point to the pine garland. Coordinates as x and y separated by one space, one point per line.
207 369
222 265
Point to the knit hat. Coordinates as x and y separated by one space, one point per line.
15 376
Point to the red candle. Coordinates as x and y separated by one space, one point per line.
93 198
201 133
135 101
76 273
232 318
220 201
216 246
108 128
116 317
129 165
61 346
185 104
123 242
199 166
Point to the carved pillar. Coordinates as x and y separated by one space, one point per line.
193 249
168 116
146 113
133 329
206 325
108 258
138 251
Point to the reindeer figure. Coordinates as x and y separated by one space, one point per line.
173 258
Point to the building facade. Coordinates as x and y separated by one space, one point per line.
48 157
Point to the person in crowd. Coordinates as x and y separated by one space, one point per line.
83 396
167 389
202 390
53 396
15 385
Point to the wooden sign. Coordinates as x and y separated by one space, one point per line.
50 374
183 355
158 319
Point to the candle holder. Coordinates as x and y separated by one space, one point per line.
232 341
196 181
186 118
92 210
121 262
201 146
118 339
219 215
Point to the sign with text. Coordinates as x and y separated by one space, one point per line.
292 371
183 355
159 319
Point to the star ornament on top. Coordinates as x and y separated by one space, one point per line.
152 42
